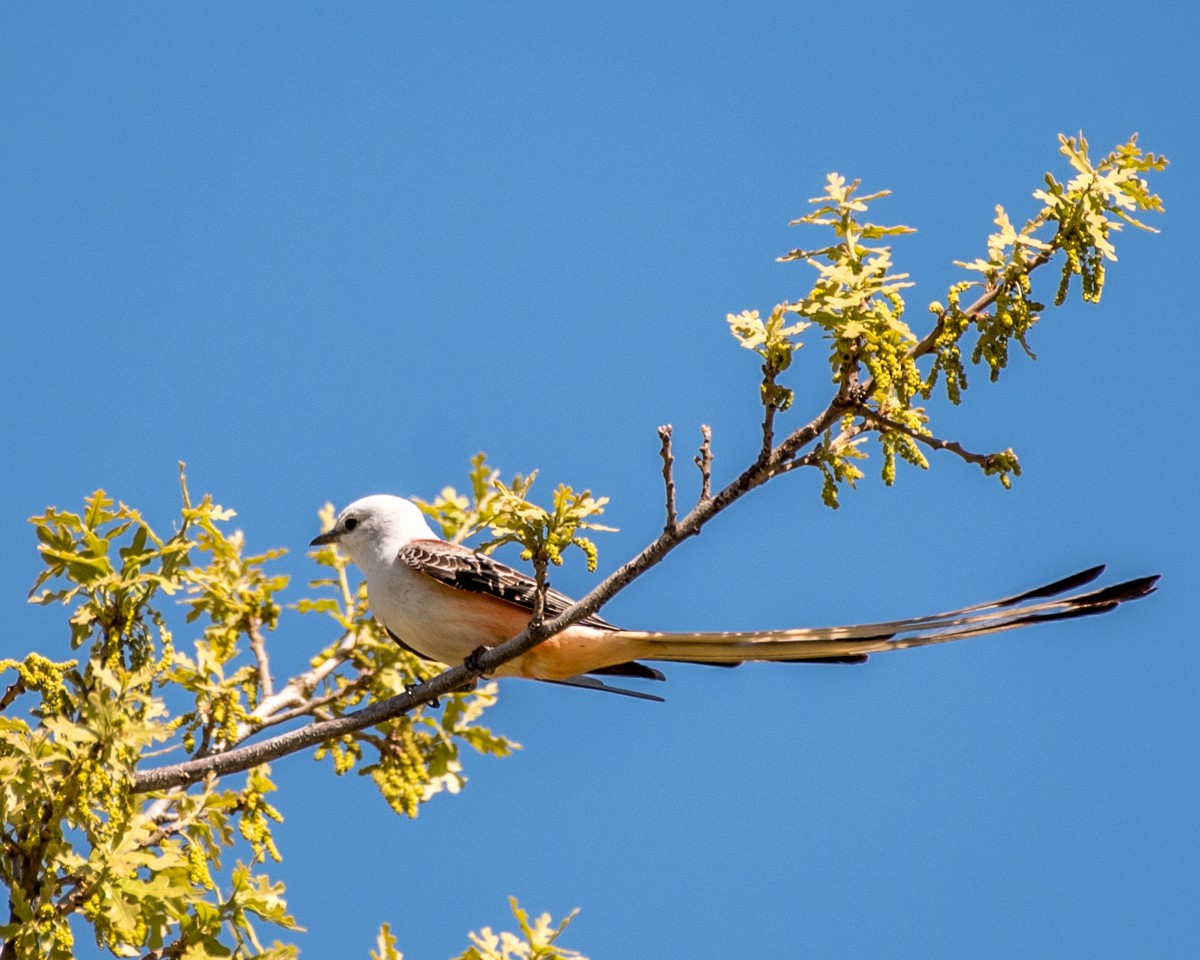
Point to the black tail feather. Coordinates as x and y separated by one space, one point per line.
630 669
1057 587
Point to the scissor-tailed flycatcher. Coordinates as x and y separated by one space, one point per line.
443 601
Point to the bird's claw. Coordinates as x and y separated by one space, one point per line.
473 662
411 688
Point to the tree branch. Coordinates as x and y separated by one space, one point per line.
245 757
780 459
251 755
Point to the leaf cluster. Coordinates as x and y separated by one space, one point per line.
876 358
178 873
537 940
508 515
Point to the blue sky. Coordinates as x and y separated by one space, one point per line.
320 251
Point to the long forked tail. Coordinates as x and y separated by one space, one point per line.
852 644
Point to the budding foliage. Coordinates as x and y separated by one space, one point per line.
180 872
875 357
536 940
509 516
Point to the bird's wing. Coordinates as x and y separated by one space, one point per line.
591 683
463 569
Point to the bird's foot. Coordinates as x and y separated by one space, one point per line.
411 688
473 662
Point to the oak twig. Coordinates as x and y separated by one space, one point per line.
704 461
15 689
985 460
259 648
538 614
770 407
668 459
985 300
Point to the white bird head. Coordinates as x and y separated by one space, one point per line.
372 529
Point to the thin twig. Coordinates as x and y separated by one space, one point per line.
985 460
668 459
704 462
259 648
803 436
814 457
310 707
15 689
988 297
169 951
768 424
168 829
538 613
298 689
75 897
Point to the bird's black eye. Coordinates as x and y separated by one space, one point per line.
351 523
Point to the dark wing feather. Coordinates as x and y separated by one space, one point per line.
465 569
591 683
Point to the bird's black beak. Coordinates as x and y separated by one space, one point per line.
331 537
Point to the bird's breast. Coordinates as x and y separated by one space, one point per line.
440 622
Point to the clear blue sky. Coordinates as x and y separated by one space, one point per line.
319 251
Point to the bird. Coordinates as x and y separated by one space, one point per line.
443 601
